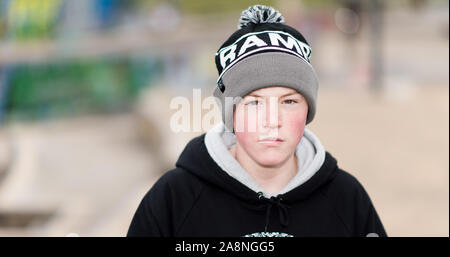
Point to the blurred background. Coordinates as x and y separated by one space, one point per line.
85 88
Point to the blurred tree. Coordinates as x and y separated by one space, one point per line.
31 18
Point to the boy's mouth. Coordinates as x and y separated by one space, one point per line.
271 141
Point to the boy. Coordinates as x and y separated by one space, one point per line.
260 172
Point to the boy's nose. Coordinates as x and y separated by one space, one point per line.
272 114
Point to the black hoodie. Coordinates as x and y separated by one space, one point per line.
198 198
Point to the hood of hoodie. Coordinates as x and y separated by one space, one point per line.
207 157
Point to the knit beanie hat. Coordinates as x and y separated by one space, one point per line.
263 52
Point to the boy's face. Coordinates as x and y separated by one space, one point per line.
269 124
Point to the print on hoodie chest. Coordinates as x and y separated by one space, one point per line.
268 234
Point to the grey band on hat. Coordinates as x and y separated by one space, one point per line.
265 70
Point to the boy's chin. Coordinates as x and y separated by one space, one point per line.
271 160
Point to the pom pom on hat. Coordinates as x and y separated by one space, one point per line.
259 14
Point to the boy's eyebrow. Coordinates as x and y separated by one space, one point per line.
288 94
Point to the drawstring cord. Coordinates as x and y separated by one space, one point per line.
282 209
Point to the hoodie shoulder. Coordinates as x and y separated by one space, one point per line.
346 182
165 206
176 180
175 184
345 189
353 205
193 152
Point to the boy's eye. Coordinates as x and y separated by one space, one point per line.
253 102
289 101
